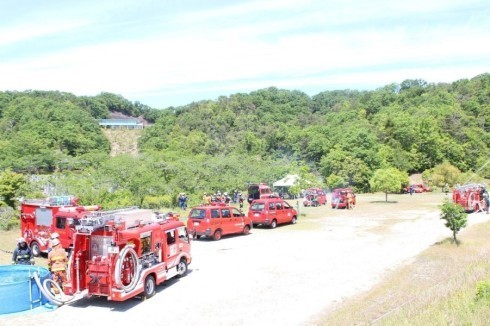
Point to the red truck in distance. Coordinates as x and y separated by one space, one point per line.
41 217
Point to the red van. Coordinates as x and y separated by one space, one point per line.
216 221
258 191
272 211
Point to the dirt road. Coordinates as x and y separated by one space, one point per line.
284 276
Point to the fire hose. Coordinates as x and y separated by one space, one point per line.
45 290
137 273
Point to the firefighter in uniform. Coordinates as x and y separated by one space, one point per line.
57 259
22 253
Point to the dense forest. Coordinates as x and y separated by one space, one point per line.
333 138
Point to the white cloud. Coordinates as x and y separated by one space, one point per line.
254 45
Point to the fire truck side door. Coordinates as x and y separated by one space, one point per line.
227 223
171 247
238 222
215 220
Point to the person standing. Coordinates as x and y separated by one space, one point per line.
22 253
240 200
57 259
184 201
484 197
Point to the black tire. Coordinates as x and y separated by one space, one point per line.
294 220
182 268
196 236
217 235
273 224
150 286
246 229
36 251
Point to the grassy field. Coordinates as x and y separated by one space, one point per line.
438 288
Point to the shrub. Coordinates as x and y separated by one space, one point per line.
483 291
8 219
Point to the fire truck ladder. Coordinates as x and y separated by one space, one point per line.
99 219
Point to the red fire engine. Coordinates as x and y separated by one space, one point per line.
123 253
41 217
341 197
469 197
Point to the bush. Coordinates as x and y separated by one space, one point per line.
483 291
8 220
157 202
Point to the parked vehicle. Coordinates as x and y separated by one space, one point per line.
417 188
39 218
271 212
469 197
341 197
118 257
217 220
258 191
315 197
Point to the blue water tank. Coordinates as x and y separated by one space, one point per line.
18 290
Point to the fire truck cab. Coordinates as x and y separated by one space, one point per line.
121 254
41 217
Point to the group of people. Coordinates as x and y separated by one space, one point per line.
225 198
57 257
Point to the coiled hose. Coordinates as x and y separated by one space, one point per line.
45 290
117 273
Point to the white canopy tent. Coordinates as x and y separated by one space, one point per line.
287 181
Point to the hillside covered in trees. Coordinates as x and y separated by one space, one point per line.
335 137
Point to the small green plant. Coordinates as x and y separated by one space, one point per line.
483 291
455 216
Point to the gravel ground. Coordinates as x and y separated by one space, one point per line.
285 276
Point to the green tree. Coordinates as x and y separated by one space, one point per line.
10 182
388 180
335 181
445 174
455 217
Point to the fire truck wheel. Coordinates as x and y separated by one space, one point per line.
150 286
182 268
294 220
273 224
36 251
217 235
246 229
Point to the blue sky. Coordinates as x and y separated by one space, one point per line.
170 53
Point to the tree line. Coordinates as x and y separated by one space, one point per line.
335 138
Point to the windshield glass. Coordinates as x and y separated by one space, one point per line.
197 213
257 207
